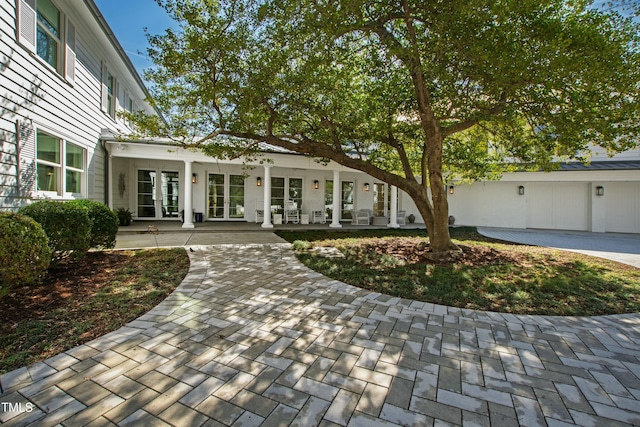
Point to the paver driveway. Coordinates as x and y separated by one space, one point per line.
252 337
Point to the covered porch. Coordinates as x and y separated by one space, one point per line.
186 189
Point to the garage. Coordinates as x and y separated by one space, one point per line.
622 206
560 205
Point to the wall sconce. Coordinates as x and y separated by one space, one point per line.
599 190
451 189
366 186
316 184
521 190
258 182
194 178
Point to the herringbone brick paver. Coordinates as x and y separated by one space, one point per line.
252 337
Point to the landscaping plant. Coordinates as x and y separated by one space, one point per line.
24 251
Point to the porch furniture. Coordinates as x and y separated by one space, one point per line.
304 218
277 219
402 217
380 220
292 215
359 217
318 217
259 211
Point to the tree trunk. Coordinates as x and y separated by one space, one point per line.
439 237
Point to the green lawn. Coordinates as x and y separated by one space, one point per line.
492 275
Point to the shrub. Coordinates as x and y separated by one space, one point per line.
104 223
67 226
24 251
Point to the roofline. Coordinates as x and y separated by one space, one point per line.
119 49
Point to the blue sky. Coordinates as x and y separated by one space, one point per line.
128 18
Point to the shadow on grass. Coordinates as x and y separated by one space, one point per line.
535 281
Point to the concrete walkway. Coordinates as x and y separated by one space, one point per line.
251 337
624 248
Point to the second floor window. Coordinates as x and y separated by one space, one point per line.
110 92
48 33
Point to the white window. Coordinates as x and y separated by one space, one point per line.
60 165
109 93
45 30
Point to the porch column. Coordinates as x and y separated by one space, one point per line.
335 218
267 197
188 196
393 223
110 181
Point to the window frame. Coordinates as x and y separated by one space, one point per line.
62 167
28 27
57 39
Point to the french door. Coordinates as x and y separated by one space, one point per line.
226 197
158 194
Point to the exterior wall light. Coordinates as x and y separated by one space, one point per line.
316 184
451 189
194 178
599 190
521 190
366 186
258 182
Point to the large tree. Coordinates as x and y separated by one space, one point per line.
411 92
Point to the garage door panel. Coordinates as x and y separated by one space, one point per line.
623 207
562 206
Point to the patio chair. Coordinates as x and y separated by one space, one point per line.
318 217
259 211
292 215
402 217
359 217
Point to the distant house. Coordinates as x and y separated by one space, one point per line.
67 77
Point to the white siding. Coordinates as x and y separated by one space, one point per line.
32 92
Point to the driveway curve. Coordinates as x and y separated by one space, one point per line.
252 337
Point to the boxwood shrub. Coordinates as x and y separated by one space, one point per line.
24 251
104 223
67 226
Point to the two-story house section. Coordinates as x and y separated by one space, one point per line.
63 77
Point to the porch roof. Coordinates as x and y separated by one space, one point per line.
157 149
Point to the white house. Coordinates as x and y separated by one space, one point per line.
150 179
64 77
603 196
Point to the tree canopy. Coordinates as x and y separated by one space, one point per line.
411 92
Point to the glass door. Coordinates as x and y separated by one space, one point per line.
236 197
216 196
378 200
170 188
158 199
146 194
226 196
348 193
328 199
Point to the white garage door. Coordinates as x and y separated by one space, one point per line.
560 206
623 206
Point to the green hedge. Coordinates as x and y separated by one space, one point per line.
67 226
24 251
104 223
